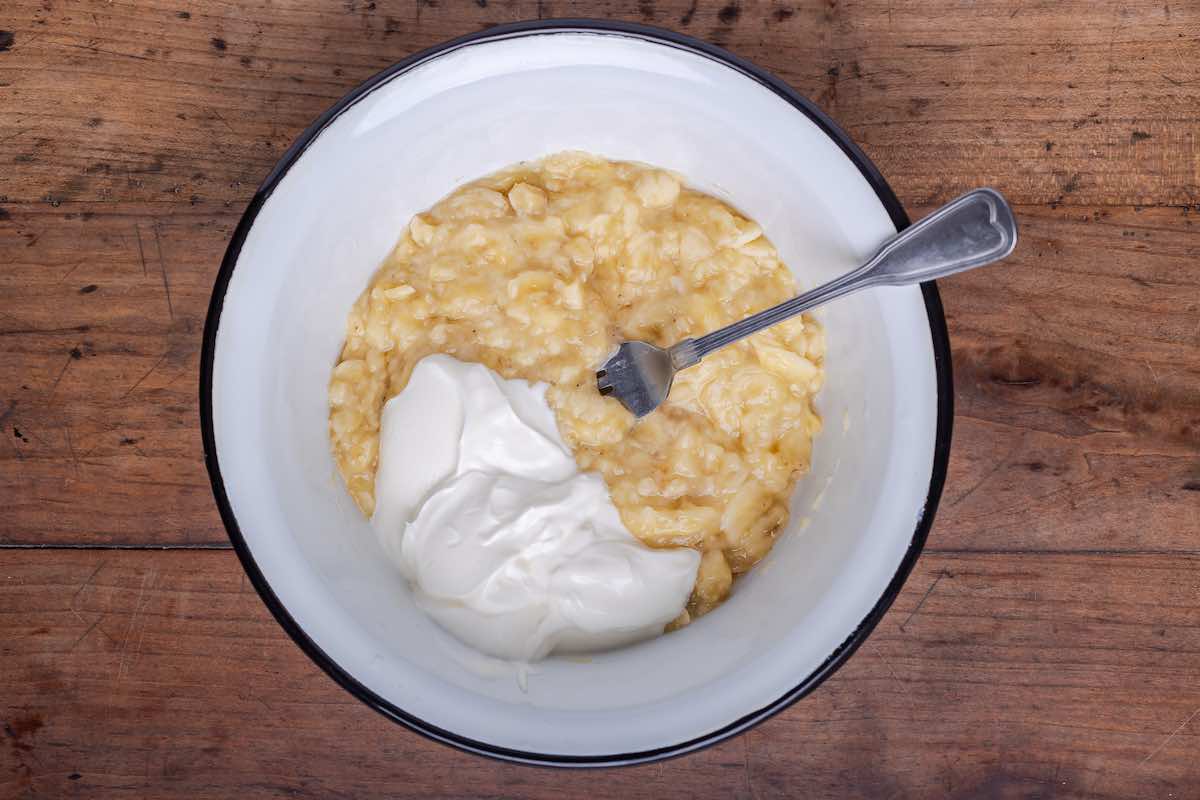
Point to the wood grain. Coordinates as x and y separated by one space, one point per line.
1077 367
1091 103
992 676
132 157
1047 643
1077 387
101 318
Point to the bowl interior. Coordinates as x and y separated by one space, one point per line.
336 213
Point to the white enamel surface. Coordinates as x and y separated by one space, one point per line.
336 214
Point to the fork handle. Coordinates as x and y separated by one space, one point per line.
970 231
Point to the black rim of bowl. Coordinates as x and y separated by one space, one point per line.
937 329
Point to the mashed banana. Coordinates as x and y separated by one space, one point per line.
538 272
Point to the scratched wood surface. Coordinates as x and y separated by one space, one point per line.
161 673
1047 643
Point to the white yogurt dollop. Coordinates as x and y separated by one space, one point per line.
506 543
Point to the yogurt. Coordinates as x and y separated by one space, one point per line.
505 542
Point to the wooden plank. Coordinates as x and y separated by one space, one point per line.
1082 102
221 92
100 318
140 129
127 672
1076 366
134 133
1051 101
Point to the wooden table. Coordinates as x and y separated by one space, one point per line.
1048 643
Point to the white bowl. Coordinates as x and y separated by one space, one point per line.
332 209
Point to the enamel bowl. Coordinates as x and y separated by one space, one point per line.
333 208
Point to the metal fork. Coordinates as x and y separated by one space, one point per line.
975 229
